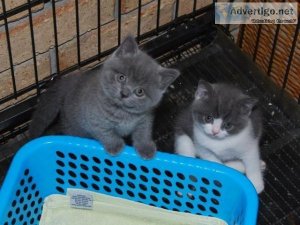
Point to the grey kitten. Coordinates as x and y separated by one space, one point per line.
222 125
109 103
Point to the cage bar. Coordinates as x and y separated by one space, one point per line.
194 5
19 93
21 8
158 15
287 71
119 22
99 27
55 37
227 26
33 49
77 31
273 50
9 50
176 8
257 42
139 21
214 10
241 35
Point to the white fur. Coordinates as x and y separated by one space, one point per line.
239 165
241 147
185 146
226 148
214 129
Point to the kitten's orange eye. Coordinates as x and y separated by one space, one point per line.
208 119
139 92
121 77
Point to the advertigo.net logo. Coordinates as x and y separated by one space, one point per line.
256 13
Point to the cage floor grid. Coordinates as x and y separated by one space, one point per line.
280 146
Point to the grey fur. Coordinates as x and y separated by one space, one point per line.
104 104
222 125
222 101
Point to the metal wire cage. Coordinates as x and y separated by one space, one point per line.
42 39
127 17
276 50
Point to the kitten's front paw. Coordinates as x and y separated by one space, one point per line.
259 187
258 183
115 147
237 165
146 150
263 165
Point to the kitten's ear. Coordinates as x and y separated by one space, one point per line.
167 76
127 48
203 91
247 105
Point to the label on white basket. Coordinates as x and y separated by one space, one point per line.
80 199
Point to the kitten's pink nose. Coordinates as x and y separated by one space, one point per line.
215 131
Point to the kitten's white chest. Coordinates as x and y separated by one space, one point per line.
227 148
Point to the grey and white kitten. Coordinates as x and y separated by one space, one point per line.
109 103
222 125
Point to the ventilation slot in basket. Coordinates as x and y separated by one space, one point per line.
26 207
151 185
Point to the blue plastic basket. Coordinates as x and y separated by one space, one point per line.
51 164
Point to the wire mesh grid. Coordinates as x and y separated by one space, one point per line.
20 93
56 70
279 203
280 146
277 53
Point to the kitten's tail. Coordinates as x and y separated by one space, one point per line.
47 110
